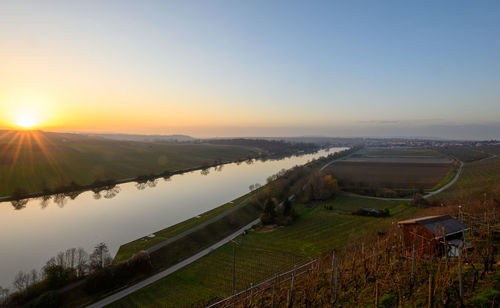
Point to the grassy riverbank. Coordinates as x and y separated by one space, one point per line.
127 250
176 251
262 254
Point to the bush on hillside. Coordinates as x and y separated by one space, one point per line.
419 201
116 274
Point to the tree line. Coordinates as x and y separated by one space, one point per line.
94 271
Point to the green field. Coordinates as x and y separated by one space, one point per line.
260 255
480 179
33 161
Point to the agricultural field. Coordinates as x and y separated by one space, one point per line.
465 153
390 175
401 155
480 179
393 172
260 255
33 161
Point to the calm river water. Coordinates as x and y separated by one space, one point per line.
30 236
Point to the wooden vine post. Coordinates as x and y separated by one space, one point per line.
413 257
431 290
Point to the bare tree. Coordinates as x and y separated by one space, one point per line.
253 187
4 293
21 281
70 257
60 259
34 277
81 261
100 258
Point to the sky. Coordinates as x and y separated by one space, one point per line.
252 68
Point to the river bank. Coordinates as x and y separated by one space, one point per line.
106 184
49 227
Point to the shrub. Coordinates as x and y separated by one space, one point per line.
269 212
57 275
388 300
119 273
49 299
419 201
485 298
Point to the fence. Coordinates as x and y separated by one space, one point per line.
382 265
271 283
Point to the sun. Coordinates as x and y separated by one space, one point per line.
26 121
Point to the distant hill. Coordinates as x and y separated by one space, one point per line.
147 138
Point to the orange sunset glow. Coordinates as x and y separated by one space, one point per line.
249 153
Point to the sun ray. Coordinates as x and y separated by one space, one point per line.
6 133
42 142
30 152
10 143
16 154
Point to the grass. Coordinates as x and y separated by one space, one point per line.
487 293
179 250
127 250
449 176
34 161
260 255
478 178
204 237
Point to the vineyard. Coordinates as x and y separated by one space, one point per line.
381 271
262 254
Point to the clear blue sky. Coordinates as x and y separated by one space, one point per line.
394 68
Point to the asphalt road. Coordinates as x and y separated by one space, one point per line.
121 294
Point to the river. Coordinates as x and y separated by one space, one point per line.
32 235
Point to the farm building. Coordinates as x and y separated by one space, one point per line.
433 235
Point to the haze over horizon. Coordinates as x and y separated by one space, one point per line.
227 69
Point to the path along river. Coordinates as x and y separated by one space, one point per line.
32 235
